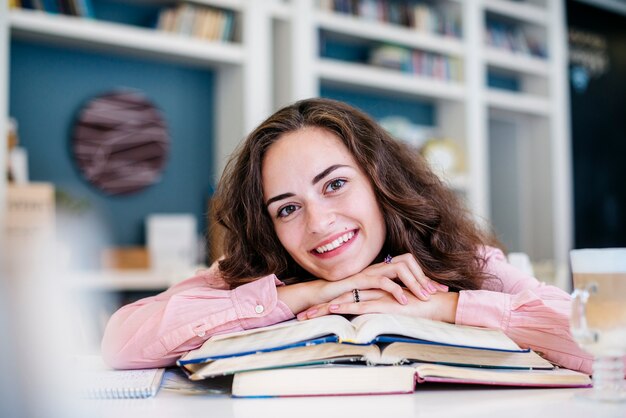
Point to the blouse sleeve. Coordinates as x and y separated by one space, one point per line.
156 331
532 314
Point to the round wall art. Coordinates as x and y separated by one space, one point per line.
120 142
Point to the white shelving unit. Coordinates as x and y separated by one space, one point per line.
113 38
467 109
243 96
365 78
298 61
537 120
276 60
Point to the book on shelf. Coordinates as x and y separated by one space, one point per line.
374 353
197 21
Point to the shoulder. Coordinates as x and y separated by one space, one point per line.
491 254
212 276
504 277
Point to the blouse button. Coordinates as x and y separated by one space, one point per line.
259 309
200 333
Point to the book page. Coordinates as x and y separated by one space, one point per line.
266 338
297 356
556 377
371 325
443 354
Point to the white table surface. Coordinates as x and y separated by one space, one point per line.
437 402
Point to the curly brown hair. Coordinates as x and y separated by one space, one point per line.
423 216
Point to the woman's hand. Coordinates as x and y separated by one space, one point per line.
440 307
381 276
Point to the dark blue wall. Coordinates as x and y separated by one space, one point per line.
418 112
48 87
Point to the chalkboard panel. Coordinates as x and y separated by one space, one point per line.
597 70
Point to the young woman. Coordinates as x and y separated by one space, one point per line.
326 213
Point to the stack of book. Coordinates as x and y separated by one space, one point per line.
198 21
372 354
422 16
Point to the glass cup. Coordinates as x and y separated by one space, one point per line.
598 320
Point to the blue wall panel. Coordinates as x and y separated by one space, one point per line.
418 112
48 87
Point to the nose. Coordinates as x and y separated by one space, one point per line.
319 218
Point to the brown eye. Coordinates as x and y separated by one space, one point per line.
286 211
335 185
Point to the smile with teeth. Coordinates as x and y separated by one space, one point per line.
336 243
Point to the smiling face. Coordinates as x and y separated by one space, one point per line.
323 206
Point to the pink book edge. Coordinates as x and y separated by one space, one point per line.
432 379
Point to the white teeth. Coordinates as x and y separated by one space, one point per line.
336 243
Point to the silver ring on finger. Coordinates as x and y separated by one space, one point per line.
356 296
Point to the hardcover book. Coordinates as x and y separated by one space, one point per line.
370 354
361 380
397 353
364 329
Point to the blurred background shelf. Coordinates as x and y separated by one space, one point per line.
521 10
518 102
107 37
131 280
520 63
369 78
387 32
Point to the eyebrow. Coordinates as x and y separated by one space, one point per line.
326 172
279 197
315 180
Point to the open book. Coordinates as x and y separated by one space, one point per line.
359 380
396 353
364 329
332 355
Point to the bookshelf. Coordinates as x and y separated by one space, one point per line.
481 117
240 68
515 142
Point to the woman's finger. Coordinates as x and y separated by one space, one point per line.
414 284
412 264
408 262
385 283
372 279
355 308
346 298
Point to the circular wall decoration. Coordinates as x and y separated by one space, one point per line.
120 142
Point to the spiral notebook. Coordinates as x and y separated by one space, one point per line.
102 382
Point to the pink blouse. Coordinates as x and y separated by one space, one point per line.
156 331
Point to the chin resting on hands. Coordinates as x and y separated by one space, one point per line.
384 276
440 307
